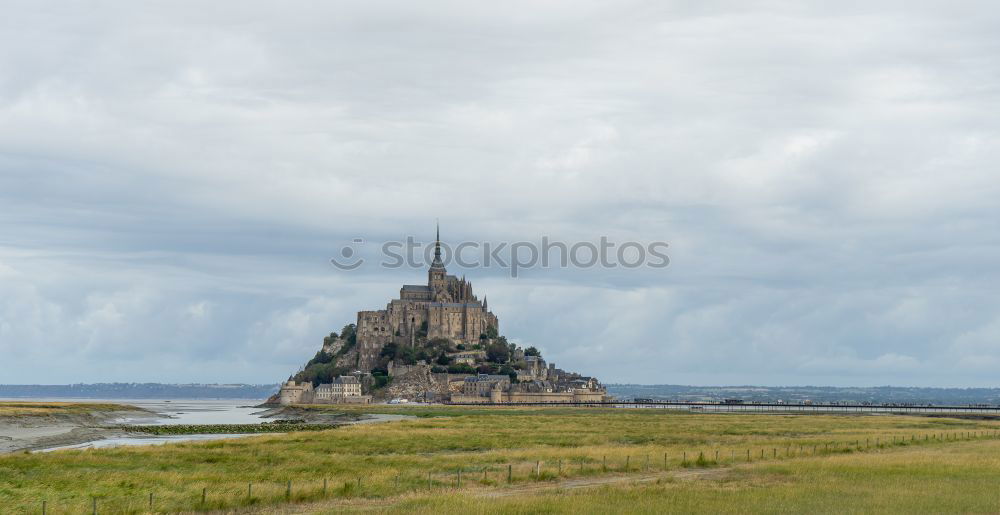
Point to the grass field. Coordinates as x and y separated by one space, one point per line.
959 478
629 460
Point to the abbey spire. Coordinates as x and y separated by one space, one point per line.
437 272
437 263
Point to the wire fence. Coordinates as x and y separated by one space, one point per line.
385 483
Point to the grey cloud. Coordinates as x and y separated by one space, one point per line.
173 178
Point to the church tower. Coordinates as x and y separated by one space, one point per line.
437 272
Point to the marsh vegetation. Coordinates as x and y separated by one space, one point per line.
526 459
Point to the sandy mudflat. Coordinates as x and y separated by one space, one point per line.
25 433
63 429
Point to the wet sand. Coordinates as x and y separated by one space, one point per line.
76 430
31 432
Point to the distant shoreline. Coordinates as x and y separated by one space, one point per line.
817 394
138 391
749 393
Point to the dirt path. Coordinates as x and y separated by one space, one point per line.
494 492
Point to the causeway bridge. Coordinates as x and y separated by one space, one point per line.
770 407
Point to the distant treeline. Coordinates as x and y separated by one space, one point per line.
816 394
139 391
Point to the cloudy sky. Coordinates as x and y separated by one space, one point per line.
175 176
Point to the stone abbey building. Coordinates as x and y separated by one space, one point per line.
435 343
443 308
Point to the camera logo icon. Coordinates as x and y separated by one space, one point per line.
347 260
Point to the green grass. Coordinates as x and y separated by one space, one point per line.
958 478
836 454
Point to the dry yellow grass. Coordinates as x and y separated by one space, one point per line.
957 478
393 460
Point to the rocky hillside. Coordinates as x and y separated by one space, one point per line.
493 354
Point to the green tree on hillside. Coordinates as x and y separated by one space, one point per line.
349 334
390 350
320 358
461 368
498 352
489 334
509 371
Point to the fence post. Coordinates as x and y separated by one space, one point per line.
685 460
460 478
716 455
288 490
538 469
664 461
428 480
203 491
646 466
604 464
510 474
150 501
94 504
627 459
43 507
748 455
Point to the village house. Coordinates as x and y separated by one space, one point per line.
342 390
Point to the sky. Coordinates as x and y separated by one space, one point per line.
176 176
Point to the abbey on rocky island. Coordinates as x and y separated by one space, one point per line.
443 308
435 343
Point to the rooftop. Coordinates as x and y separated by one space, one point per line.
487 378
